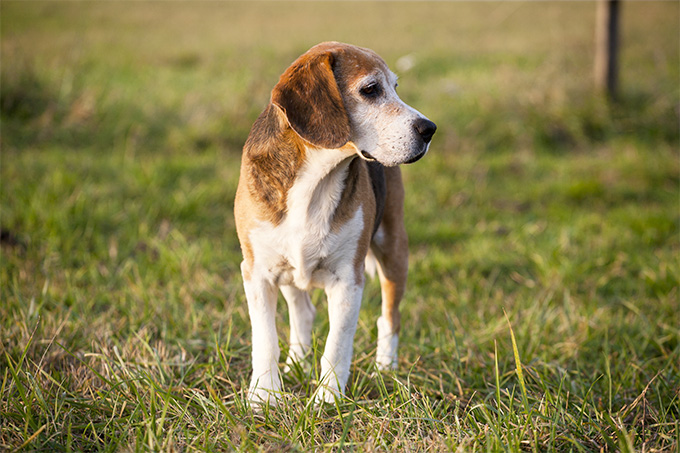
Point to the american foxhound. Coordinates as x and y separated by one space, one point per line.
320 200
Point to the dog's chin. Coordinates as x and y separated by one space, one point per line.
417 157
368 157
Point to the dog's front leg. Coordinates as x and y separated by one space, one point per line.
265 384
344 302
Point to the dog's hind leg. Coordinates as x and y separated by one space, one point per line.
390 248
392 272
301 315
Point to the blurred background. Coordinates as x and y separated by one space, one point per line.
133 115
122 125
194 75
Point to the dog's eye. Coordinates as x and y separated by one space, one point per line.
372 90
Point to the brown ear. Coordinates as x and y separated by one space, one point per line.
309 96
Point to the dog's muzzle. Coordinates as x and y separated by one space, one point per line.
425 129
416 158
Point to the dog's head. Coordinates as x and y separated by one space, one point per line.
338 93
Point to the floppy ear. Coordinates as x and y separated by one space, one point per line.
309 96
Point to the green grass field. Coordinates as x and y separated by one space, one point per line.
543 306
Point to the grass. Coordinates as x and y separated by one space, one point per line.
543 306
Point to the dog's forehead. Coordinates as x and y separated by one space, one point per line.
352 63
355 64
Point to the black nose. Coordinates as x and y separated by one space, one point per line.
426 129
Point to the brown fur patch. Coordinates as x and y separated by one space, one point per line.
347 205
352 64
358 192
353 191
275 154
309 96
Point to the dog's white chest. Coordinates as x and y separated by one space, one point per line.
306 249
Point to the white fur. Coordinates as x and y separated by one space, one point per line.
300 253
371 264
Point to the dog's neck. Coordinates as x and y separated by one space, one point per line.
280 159
314 195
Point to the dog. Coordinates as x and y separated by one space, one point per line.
320 200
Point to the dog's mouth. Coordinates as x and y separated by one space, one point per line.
367 156
417 157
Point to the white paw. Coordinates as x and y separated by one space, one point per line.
326 394
296 360
264 391
386 364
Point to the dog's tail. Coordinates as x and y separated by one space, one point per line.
371 264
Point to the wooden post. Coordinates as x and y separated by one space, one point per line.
607 47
